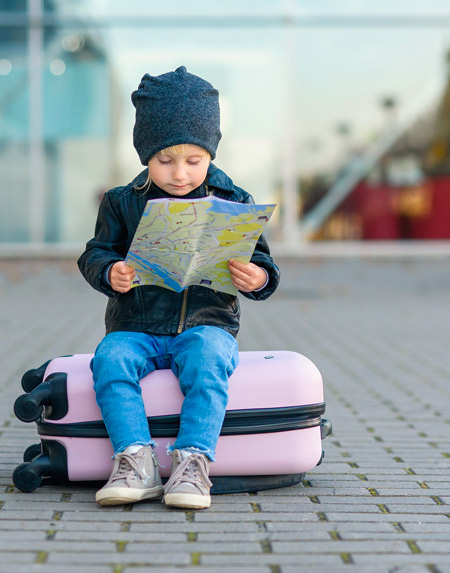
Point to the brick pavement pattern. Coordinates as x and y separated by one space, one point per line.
377 329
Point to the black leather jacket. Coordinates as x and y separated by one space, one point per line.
154 309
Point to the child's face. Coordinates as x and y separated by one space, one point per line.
179 173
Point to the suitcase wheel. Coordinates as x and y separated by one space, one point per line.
326 428
28 408
52 393
242 484
32 452
321 458
27 477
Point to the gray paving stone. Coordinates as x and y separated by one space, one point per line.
122 536
235 561
418 491
417 509
42 525
141 559
340 546
6 515
55 545
300 528
203 569
219 507
434 547
439 562
257 517
10 535
120 516
353 505
269 535
380 502
47 568
31 505
229 548
196 526
427 527
367 569
399 535
17 558
391 517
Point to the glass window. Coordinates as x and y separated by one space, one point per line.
78 90
14 128
304 87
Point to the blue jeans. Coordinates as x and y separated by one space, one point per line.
202 358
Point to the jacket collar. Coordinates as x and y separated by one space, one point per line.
215 177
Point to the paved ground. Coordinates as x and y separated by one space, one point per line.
380 502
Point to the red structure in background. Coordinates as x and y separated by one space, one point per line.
435 222
377 211
387 212
411 196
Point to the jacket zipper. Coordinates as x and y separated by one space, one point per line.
183 312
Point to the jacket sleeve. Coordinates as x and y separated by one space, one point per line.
261 257
107 247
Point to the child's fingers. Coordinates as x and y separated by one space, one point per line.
244 271
238 264
123 282
246 277
123 269
121 276
236 274
238 269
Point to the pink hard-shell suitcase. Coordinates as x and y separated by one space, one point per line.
271 436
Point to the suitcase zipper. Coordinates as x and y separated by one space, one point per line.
237 422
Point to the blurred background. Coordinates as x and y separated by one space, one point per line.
337 110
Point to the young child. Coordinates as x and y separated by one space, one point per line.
176 135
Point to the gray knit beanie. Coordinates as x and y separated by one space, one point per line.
173 109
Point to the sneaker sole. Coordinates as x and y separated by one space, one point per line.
187 501
121 495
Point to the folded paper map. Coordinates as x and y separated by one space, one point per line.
184 242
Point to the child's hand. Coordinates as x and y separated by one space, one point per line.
246 277
120 277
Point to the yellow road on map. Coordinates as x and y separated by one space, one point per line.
181 242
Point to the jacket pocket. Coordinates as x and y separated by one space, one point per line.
216 307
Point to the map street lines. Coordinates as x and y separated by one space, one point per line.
184 242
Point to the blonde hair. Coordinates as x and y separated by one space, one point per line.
180 149
174 150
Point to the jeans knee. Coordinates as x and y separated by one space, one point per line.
204 384
111 365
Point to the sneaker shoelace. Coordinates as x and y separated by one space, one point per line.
193 470
127 463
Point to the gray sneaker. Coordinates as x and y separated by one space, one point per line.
134 477
188 485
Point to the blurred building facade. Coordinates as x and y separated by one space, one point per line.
68 67
55 127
